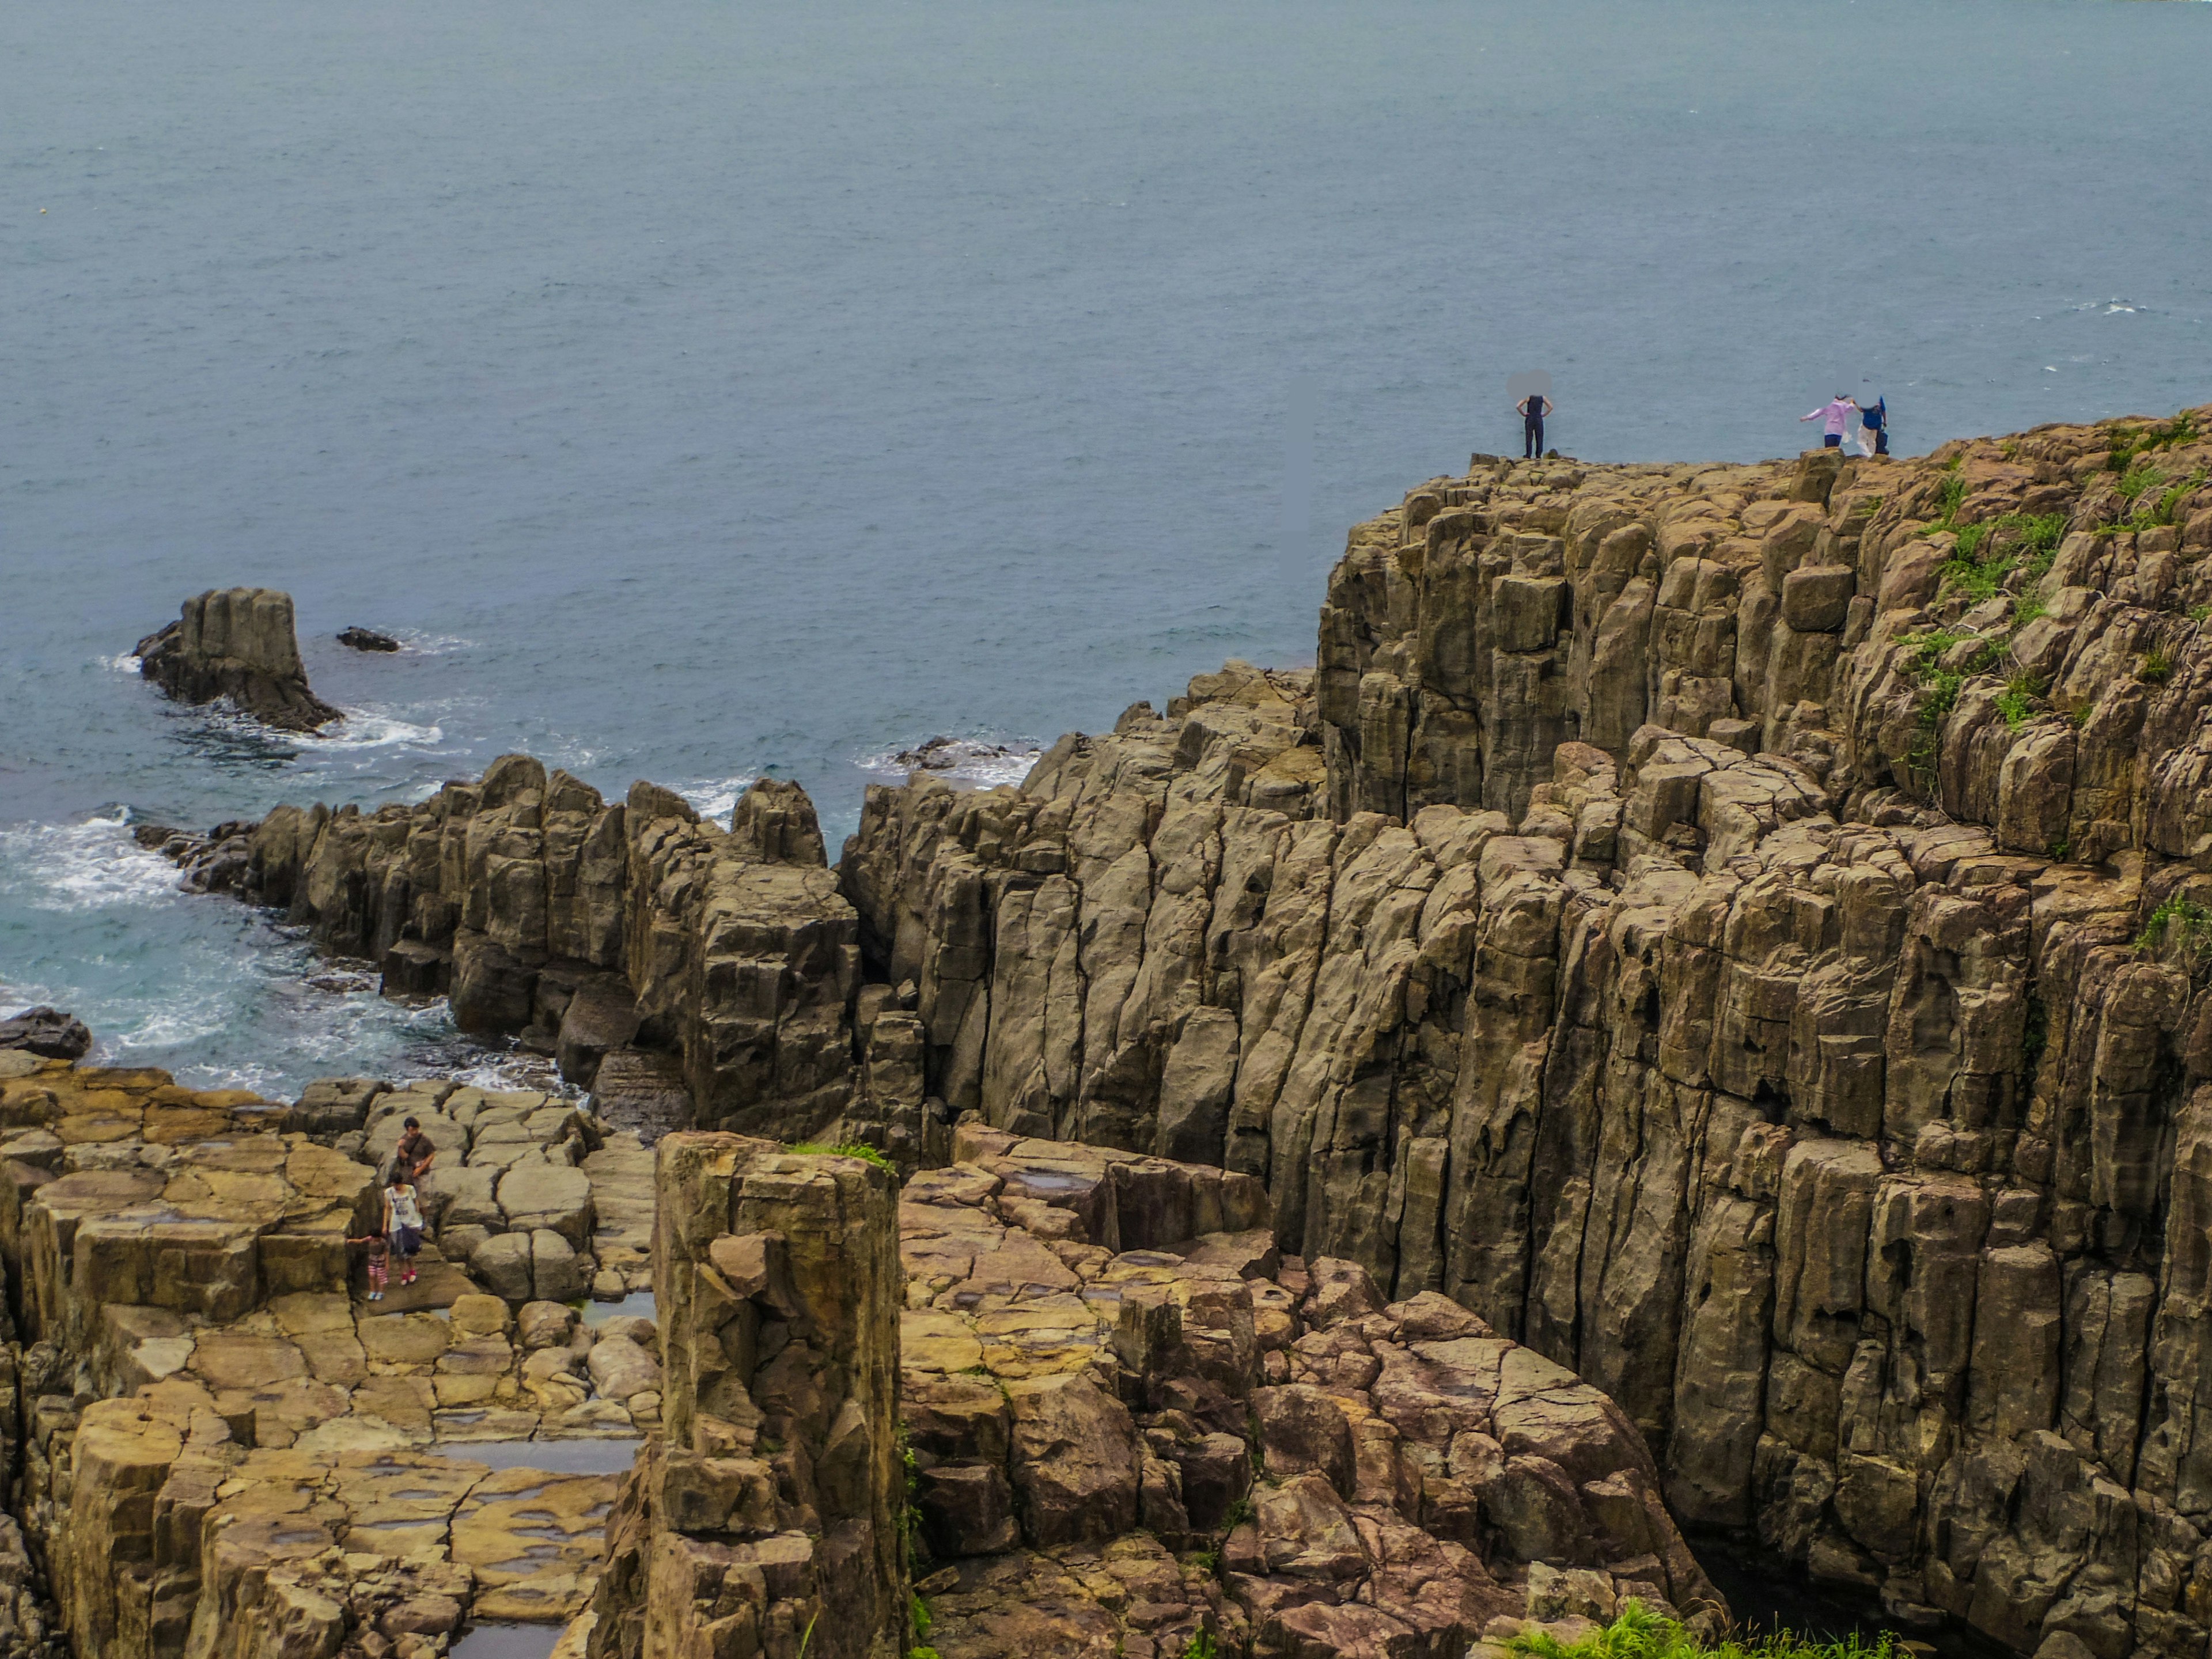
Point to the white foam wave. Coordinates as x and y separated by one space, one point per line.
717 798
122 663
90 865
368 728
970 761
432 645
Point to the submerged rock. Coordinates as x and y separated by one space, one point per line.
237 643
367 639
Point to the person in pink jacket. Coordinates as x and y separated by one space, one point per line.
1839 412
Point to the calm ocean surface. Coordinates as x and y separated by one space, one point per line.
709 389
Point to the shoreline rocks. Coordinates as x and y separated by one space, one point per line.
238 644
46 1032
367 639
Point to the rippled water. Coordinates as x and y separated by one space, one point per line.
706 390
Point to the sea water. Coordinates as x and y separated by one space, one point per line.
706 390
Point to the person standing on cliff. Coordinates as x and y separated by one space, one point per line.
1874 428
1838 412
1533 408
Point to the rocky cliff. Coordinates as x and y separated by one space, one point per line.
769 1520
237 643
722 963
1741 931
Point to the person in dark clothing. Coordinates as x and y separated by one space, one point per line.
1874 428
1533 408
415 1153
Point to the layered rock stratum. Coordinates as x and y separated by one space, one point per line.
238 644
1739 934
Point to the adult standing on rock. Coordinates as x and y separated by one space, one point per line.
1533 408
1836 413
402 1223
412 1157
1874 428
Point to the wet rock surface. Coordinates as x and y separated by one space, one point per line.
238 644
367 639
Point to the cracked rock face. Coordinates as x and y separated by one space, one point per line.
1134 1420
770 1517
636 931
1739 931
224 1448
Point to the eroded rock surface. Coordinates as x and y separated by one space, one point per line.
1135 1420
237 643
636 931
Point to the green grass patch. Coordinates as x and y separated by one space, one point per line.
2169 504
2156 667
2128 443
1948 499
1201 1646
845 1149
918 1611
2188 922
1638 1632
2137 479
1985 556
2016 703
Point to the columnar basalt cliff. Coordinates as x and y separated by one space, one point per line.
770 1519
1741 931
590 928
237 643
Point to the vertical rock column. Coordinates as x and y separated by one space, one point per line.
774 1506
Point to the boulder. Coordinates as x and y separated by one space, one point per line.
558 1273
503 1265
550 1196
367 639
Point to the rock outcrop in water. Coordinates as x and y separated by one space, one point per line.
1741 931
237 643
47 1032
590 928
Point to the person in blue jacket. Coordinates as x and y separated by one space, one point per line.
1874 428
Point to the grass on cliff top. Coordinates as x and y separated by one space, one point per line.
1639 1633
1985 554
2130 442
